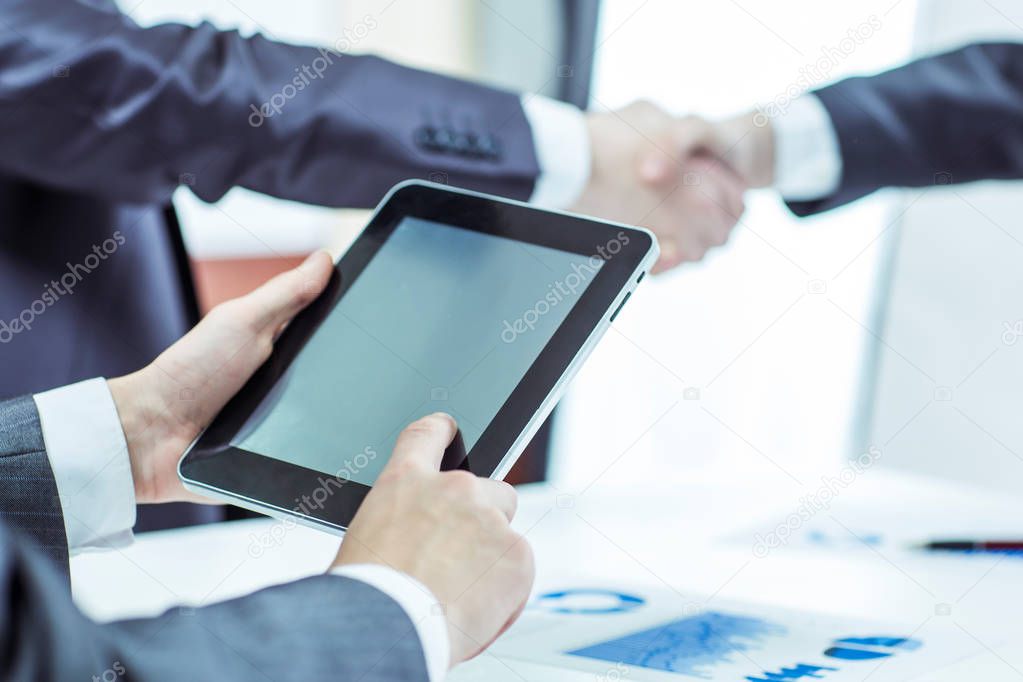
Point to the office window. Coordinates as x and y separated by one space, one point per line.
747 365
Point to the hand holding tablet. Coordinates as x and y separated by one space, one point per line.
449 301
164 406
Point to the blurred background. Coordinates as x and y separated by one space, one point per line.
801 343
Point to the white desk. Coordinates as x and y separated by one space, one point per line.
667 539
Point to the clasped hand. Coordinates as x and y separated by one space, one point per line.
682 178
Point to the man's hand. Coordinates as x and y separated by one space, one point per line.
165 405
744 143
449 530
662 173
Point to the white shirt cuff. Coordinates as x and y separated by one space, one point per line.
89 459
808 161
562 150
418 602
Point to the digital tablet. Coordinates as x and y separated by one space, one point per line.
448 301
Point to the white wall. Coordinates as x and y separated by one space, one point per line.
772 370
949 393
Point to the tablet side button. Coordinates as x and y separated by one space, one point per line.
620 306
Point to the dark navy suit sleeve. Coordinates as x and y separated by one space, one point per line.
951 118
322 628
129 113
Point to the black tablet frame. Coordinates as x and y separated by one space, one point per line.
256 481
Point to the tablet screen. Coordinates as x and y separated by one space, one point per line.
442 319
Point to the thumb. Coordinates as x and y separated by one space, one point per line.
693 134
685 138
655 167
219 354
281 298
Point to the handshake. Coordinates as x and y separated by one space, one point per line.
682 178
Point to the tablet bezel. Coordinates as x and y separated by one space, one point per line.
212 466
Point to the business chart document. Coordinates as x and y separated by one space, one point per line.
621 634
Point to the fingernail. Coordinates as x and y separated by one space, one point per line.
444 415
307 263
668 250
653 168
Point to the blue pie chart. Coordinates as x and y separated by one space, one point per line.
588 601
867 648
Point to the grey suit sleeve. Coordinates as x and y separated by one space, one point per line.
945 119
322 628
28 492
128 113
